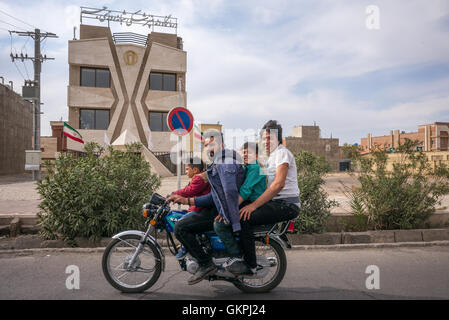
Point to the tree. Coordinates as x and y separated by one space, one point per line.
95 195
402 197
315 205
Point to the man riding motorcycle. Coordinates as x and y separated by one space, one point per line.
225 176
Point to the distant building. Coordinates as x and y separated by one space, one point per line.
16 130
57 142
308 138
122 87
431 137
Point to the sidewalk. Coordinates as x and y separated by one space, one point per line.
18 194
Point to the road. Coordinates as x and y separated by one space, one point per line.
404 273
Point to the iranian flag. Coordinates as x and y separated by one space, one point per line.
197 133
72 133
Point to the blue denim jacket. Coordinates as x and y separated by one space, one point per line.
225 176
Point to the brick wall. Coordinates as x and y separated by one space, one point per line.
16 131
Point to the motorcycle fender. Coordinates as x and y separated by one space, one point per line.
149 239
283 243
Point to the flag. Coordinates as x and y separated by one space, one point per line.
197 133
72 133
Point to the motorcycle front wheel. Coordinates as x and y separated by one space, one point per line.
272 264
139 276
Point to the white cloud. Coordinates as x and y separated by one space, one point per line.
243 77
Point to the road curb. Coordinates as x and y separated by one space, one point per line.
380 238
371 245
295 247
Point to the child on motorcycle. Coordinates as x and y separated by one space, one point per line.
253 186
198 186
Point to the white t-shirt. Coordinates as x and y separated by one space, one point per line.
279 156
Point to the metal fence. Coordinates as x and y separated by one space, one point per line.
130 37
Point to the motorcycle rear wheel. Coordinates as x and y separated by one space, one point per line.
272 252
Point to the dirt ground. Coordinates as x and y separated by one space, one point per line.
18 194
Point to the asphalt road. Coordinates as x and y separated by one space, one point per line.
404 273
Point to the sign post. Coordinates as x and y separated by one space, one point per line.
180 122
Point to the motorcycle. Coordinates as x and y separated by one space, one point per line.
133 260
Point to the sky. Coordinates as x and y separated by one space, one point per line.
339 64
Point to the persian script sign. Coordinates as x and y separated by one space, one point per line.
128 18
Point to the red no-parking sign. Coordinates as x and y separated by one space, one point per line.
180 121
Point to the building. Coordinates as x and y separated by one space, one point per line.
16 131
57 142
121 87
431 137
308 138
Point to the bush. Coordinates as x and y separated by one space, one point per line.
401 198
350 151
315 206
95 196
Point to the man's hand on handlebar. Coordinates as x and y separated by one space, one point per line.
176 199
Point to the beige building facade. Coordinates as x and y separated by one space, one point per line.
309 138
121 91
431 137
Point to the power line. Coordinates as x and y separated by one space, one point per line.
20 20
43 44
11 25
33 91
26 70
28 38
24 64
19 71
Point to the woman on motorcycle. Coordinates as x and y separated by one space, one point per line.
279 202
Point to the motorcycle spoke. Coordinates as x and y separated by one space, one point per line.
124 273
144 265
116 268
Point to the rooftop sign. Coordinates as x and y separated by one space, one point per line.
128 18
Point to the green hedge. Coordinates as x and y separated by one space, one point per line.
315 205
95 195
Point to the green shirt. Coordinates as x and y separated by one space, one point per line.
255 182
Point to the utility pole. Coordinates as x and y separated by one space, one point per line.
36 97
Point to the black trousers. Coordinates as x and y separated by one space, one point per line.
271 212
187 228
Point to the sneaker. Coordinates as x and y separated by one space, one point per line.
181 253
231 261
241 268
202 273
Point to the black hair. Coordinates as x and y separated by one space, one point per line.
213 133
253 146
195 163
273 125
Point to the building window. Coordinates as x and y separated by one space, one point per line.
99 78
94 119
158 121
163 81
